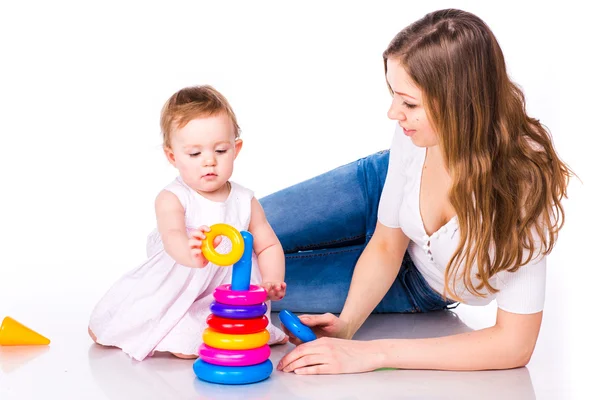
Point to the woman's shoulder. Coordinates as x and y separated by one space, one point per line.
523 291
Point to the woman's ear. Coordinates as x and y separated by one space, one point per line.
238 146
170 155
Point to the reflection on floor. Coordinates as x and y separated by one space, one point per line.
74 368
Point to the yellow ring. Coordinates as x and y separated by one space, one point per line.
237 245
228 341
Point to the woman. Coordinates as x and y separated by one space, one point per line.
467 212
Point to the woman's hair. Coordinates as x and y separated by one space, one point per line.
190 103
507 179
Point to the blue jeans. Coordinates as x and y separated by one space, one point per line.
324 224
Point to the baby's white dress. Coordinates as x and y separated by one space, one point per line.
162 305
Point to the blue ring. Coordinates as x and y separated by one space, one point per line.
296 327
232 375
238 312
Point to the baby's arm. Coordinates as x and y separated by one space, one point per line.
271 260
170 218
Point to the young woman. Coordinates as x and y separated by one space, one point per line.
464 207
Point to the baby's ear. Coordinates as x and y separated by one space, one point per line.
170 155
238 146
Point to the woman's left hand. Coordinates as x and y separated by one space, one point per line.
330 356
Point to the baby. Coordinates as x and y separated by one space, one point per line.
162 305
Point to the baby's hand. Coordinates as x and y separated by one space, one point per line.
275 290
195 243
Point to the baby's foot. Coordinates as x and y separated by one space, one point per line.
185 356
277 336
282 341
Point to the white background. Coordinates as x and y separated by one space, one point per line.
82 84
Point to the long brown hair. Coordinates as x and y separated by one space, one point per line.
507 179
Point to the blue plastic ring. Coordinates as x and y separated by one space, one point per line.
296 327
238 312
232 375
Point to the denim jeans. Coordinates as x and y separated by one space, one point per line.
324 224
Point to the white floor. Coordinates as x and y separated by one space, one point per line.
73 368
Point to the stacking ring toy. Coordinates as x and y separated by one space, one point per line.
238 312
226 341
237 245
232 375
237 326
254 295
296 327
234 358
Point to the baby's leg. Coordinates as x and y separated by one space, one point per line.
92 335
276 334
282 341
185 356
96 339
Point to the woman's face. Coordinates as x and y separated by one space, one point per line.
407 106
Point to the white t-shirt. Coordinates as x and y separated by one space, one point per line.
521 292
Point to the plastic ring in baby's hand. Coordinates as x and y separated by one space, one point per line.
237 245
296 327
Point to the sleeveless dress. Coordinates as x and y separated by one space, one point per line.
162 305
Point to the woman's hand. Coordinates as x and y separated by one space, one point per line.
331 356
327 325
195 243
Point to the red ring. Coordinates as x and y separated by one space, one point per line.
237 326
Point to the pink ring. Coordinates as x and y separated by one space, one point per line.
255 295
234 358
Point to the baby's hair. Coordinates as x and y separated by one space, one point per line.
193 102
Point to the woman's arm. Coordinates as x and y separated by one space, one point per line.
374 274
507 344
271 260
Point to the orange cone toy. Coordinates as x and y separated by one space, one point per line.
13 333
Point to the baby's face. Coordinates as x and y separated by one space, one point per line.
203 151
